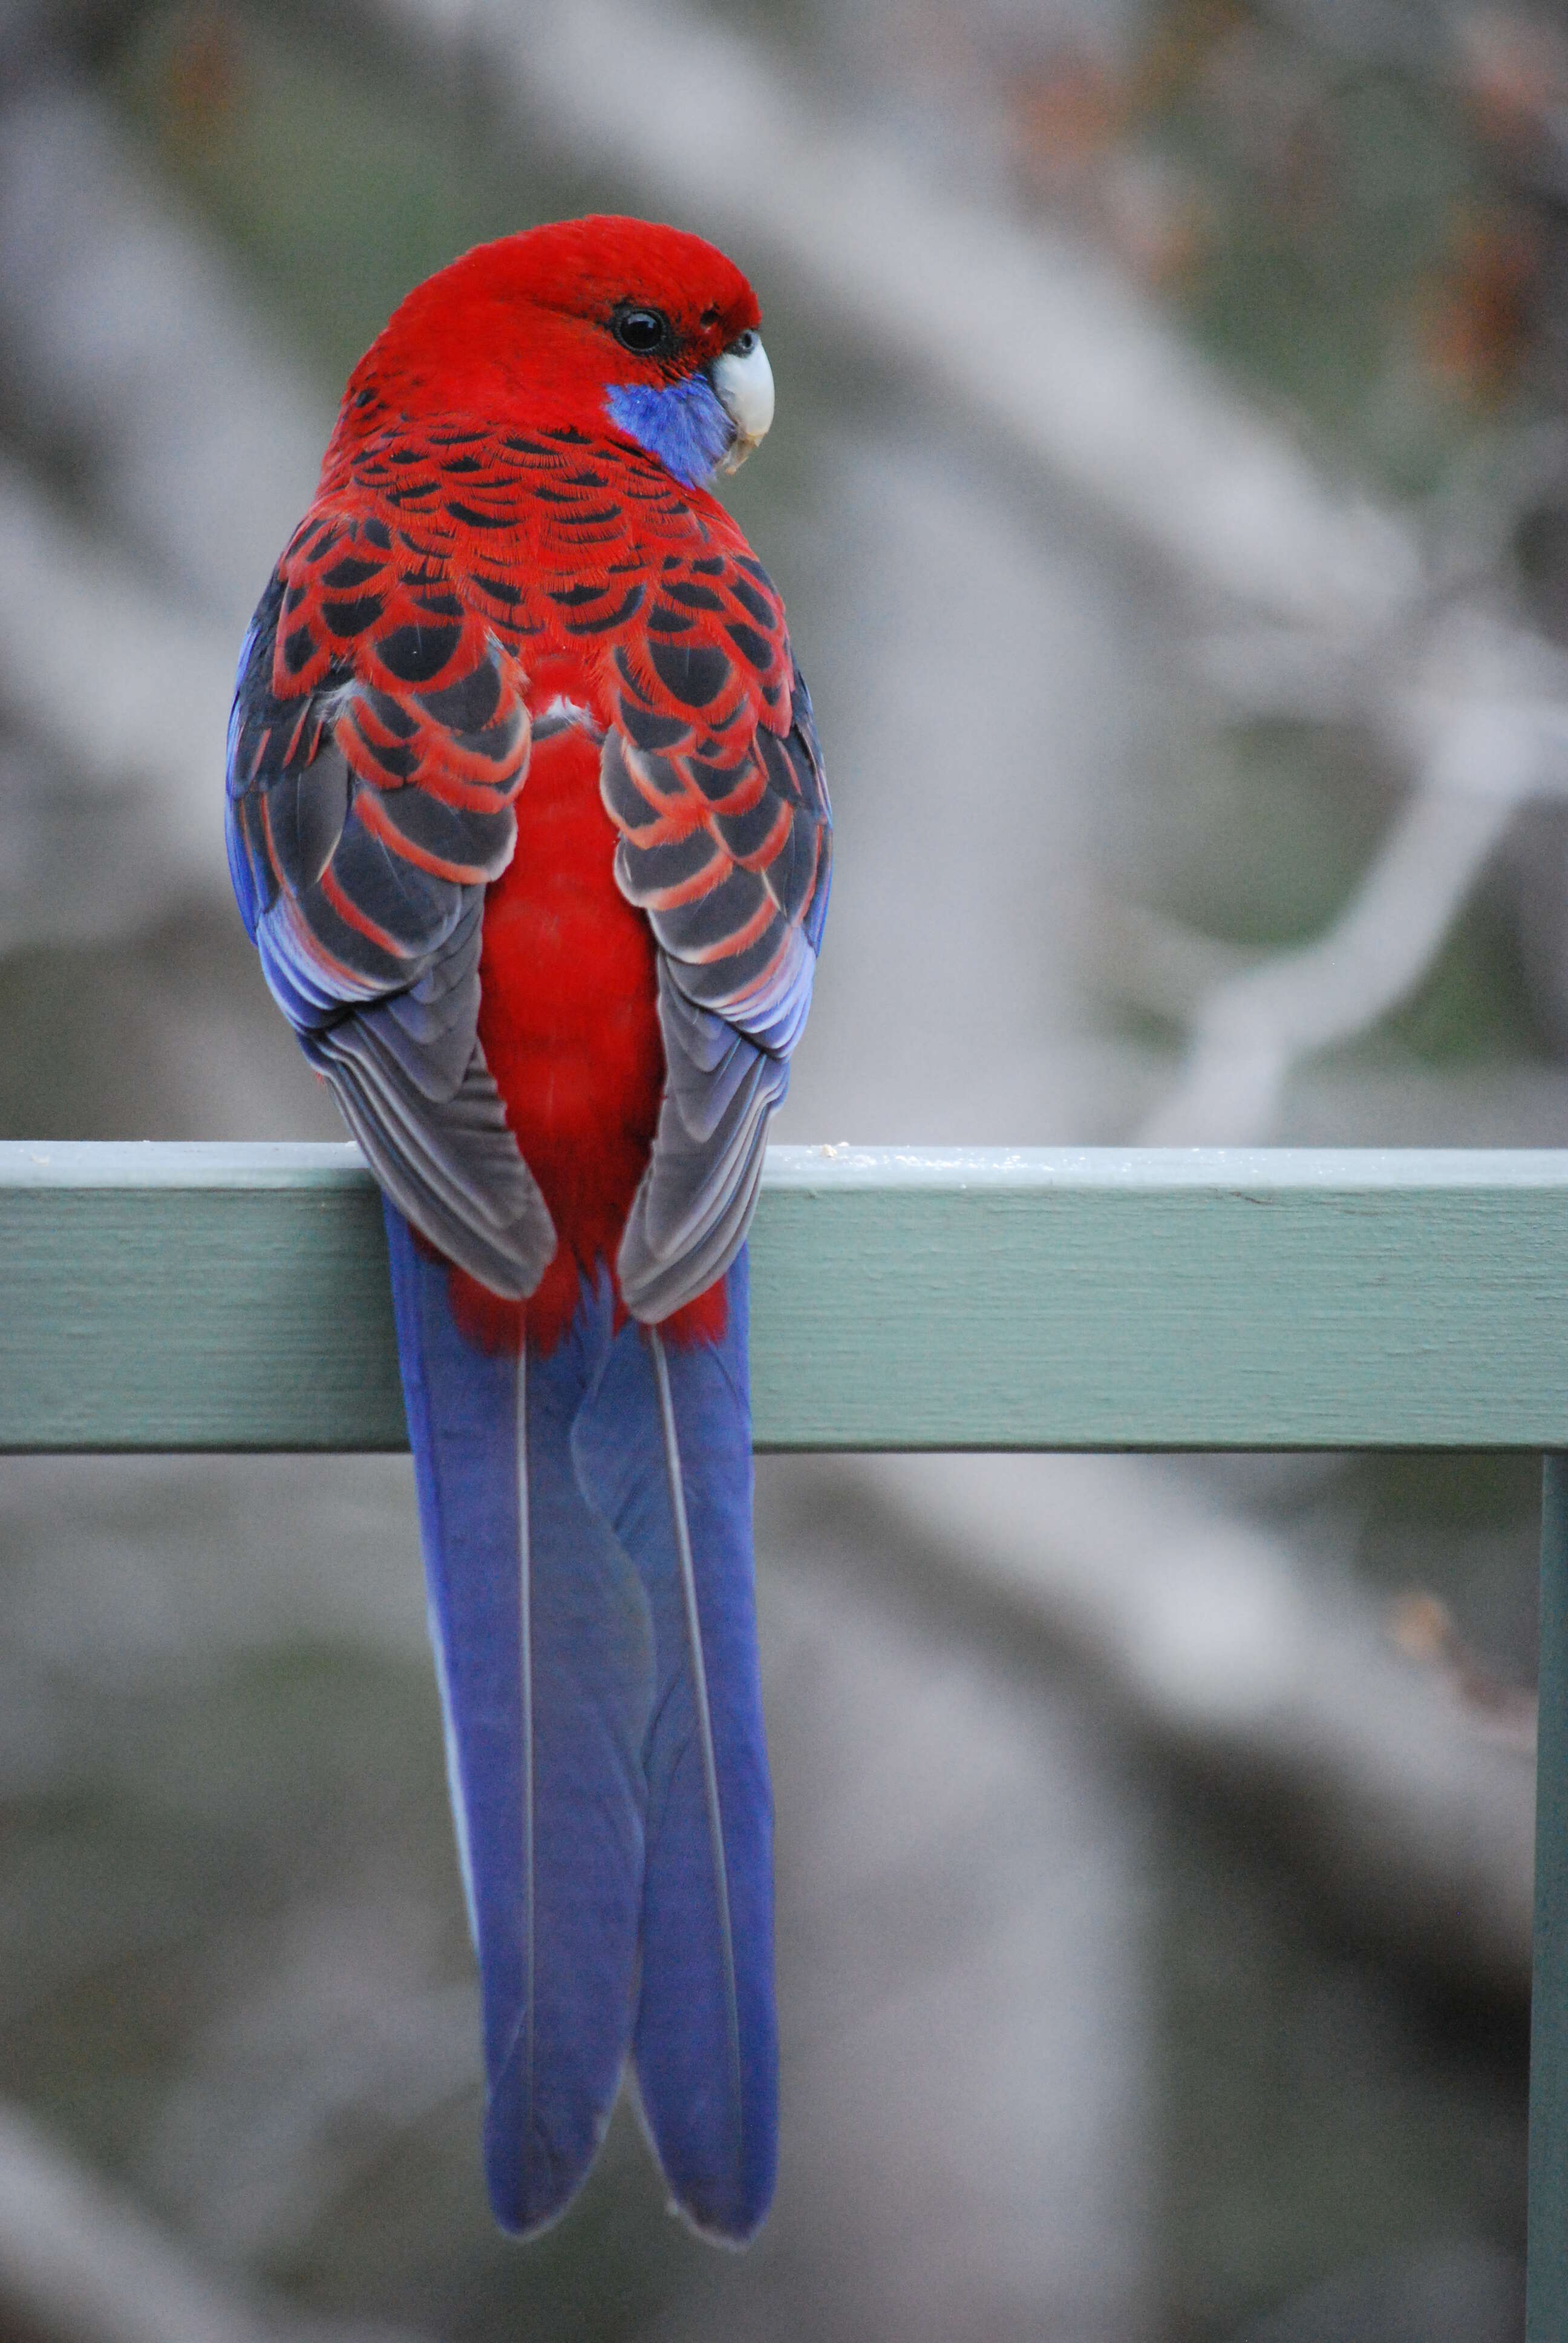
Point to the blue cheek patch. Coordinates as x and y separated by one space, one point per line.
682 424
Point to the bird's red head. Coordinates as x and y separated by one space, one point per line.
604 324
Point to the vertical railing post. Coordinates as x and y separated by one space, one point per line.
1547 2318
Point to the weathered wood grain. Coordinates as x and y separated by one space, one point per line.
235 1297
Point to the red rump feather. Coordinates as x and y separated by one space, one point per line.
570 1031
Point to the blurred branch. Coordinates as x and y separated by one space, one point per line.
80 2264
1488 722
147 713
128 341
289 2097
1422 1627
1254 1028
1148 961
132 354
1225 1650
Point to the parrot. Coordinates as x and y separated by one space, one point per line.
527 820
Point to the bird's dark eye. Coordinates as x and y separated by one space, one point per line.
645 332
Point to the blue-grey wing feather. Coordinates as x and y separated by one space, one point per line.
375 958
729 1024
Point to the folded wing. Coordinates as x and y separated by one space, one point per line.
713 776
378 742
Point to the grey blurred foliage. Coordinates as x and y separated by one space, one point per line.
1170 495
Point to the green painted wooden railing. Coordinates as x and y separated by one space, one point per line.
158 1297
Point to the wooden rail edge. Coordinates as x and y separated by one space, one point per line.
227 1297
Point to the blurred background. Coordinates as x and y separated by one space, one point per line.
1169 492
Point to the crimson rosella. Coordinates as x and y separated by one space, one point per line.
528 820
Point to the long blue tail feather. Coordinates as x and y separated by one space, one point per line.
706 1750
705 2042
547 1714
612 1908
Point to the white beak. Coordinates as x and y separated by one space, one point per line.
743 382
